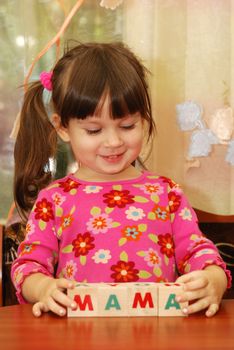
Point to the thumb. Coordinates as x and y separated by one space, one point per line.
63 283
183 279
213 308
38 308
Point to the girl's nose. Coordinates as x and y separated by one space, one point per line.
113 139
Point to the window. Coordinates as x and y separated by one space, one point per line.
25 28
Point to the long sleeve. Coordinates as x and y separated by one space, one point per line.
193 251
39 251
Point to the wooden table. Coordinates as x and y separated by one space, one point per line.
20 330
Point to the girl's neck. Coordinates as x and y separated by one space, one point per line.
89 175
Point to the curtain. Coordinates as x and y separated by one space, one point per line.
188 46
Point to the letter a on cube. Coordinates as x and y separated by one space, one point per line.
168 306
112 300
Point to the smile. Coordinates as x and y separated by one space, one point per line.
113 158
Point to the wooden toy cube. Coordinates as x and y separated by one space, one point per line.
167 305
143 299
113 299
86 297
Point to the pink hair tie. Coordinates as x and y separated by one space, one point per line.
45 78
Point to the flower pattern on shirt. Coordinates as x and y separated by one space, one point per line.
92 189
68 185
44 211
204 251
99 223
160 213
27 248
186 214
183 264
197 241
152 258
124 272
170 182
70 270
102 256
118 199
30 228
134 213
152 188
66 221
167 244
131 233
83 244
58 199
174 201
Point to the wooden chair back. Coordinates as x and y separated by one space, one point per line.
204 216
1 265
220 230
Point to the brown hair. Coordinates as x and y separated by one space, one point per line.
79 80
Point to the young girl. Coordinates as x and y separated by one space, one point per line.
109 221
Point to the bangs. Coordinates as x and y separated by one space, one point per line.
100 71
83 94
125 98
128 99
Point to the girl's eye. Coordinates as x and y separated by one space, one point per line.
128 127
92 132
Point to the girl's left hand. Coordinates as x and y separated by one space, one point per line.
204 289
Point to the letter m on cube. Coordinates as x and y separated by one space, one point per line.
143 300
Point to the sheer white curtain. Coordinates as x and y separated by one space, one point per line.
188 46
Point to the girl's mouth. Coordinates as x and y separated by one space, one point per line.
113 158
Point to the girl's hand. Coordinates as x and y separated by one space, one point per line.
204 288
52 297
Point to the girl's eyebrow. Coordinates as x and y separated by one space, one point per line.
132 116
89 120
96 119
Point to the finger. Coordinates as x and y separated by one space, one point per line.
212 310
51 305
38 308
63 299
185 278
199 305
55 307
196 284
63 283
190 276
191 295
182 279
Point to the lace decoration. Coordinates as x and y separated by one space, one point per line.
230 153
189 117
110 4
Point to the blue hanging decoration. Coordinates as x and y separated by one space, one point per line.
189 118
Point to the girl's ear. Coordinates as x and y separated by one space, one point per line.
61 130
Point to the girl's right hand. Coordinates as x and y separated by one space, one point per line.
53 298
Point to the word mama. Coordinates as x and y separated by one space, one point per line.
126 299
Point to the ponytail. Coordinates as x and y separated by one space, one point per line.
35 144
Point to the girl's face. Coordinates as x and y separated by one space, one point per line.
103 146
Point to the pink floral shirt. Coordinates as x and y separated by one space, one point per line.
124 231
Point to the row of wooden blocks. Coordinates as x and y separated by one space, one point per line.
126 299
